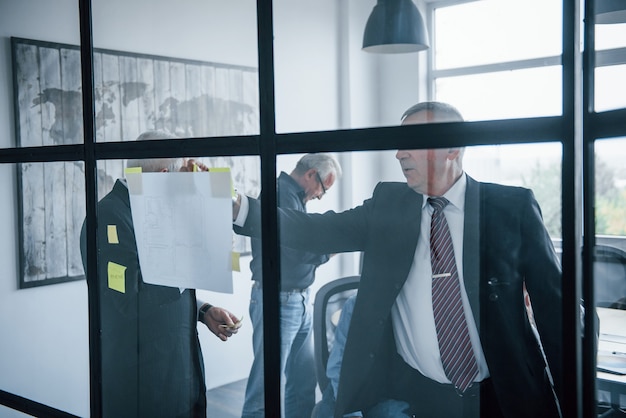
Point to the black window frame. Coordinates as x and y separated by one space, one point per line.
576 128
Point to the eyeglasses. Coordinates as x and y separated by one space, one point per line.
319 197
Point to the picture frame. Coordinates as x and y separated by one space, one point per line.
133 93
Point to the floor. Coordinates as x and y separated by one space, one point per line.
226 401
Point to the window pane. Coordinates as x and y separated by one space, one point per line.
486 32
610 184
44 351
149 258
377 240
501 95
610 36
610 91
197 78
609 270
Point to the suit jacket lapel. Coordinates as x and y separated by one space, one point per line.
471 251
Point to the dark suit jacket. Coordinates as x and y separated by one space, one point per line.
151 360
505 246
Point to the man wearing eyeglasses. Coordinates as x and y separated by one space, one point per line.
312 177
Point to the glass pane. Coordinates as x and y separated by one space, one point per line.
197 78
377 240
44 351
610 36
609 271
178 236
610 92
506 94
610 184
42 77
487 32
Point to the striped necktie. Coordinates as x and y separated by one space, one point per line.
455 346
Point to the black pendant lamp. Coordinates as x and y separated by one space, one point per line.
610 11
395 27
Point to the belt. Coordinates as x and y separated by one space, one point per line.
258 285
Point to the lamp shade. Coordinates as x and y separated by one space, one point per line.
395 26
610 11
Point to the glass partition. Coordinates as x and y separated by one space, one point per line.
41 81
610 66
492 68
609 271
368 240
44 352
166 247
193 74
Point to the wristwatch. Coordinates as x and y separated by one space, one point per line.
203 310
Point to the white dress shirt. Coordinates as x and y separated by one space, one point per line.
412 313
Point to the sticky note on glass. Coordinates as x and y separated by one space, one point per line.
235 261
112 234
116 274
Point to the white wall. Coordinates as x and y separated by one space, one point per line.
324 81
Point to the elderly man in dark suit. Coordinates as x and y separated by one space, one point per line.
152 364
482 244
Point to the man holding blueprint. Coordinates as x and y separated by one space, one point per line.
151 358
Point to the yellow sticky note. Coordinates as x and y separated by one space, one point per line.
224 170
235 261
112 234
132 170
117 277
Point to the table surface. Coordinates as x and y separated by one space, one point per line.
612 343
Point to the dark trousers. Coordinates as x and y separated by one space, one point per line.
432 399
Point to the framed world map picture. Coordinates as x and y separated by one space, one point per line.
133 93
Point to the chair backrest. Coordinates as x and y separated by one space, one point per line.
329 300
609 272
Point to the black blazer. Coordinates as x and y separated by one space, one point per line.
151 359
505 246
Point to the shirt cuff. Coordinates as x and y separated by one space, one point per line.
199 304
244 207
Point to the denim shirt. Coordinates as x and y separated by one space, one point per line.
297 267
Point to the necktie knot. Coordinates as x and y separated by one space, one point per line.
438 203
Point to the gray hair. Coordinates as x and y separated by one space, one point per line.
440 108
152 165
325 164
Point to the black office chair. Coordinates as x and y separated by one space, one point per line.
609 272
326 310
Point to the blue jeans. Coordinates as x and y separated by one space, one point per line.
296 356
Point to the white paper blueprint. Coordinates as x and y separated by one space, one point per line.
183 228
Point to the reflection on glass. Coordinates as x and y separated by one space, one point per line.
148 326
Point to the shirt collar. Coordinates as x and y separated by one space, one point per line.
455 195
292 185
